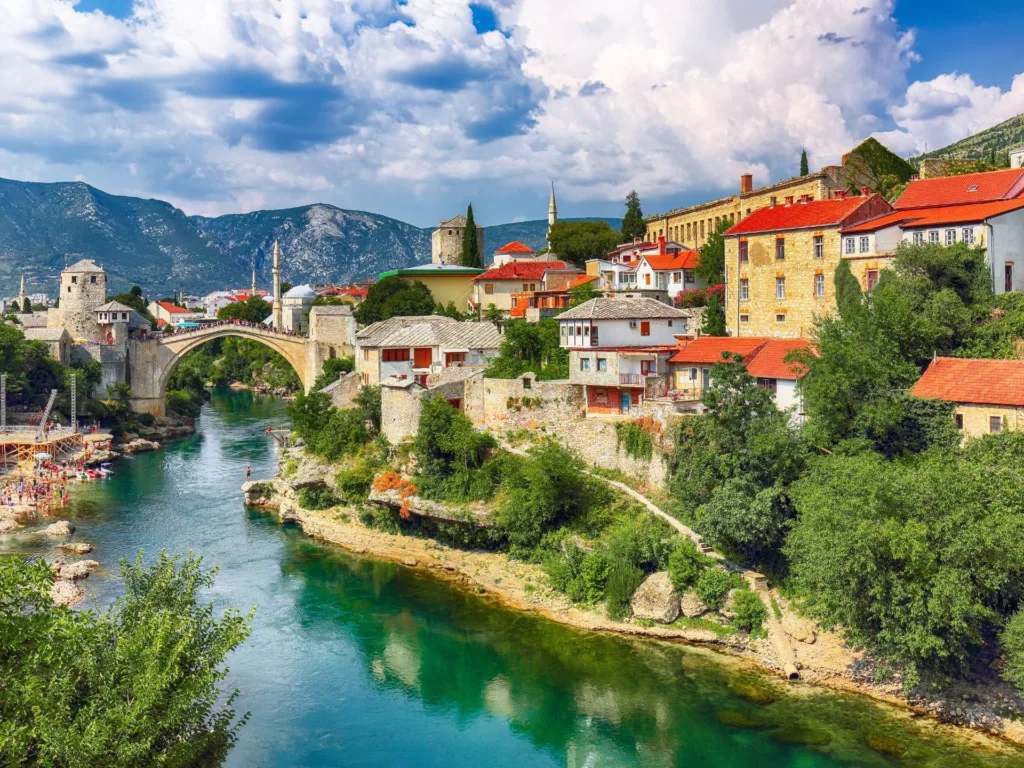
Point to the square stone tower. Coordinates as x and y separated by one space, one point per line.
446 241
83 288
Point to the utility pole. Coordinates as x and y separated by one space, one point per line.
3 402
74 403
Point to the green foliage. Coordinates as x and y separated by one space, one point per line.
848 292
917 559
870 161
394 296
750 611
714 317
384 519
744 519
580 575
133 300
136 684
146 419
636 438
633 225
714 584
354 483
450 452
184 402
804 167
471 256
333 369
685 564
344 433
579 241
624 579
711 268
253 310
530 347
1011 643
317 497
582 293
368 400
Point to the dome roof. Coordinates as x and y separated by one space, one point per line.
300 292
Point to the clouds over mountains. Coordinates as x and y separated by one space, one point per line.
412 107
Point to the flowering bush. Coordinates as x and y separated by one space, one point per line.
699 297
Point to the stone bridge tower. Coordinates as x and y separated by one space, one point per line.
446 241
83 288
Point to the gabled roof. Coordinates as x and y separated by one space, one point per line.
515 247
810 215
582 280
624 309
709 349
174 309
113 306
769 362
430 331
521 270
966 380
938 216
669 262
968 188
45 334
85 265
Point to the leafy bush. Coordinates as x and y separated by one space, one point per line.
450 454
685 564
317 497
384 519
333 369
146 419
344 434
354 484
714 584
637 437
750 611
1011 643
624 578
184 402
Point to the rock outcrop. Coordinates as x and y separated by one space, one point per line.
78 570
139 445
60 528
76 547
691 606
656 599
66 593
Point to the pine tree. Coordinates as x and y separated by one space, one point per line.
848 293
633 222
804 167
714 317
470 245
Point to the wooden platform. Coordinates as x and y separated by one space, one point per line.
16 447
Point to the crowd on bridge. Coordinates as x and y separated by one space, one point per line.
193 329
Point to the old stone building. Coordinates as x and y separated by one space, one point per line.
780 263
987 395
446 241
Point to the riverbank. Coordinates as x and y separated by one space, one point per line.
824 660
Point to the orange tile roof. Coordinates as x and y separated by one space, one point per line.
769 361
681 260
956 190
965 380
709 349
940 215
520 270
581 280
174 309
817 213
515 247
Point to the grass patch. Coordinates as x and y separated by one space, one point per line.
722 630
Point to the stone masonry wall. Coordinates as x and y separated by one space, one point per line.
976 418
400 412
524 402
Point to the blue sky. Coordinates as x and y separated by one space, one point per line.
413 108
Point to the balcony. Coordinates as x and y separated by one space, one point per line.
636 379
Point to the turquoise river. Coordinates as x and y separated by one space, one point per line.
362 663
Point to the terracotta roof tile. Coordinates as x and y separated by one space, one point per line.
668 262
515 247
769 361
817 213
939 215
956 190
174 309
965 380
581 280
709 349
520 270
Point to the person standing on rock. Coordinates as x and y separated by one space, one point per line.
248 473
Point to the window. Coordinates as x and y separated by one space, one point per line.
871 277
586 330
865 244
669 323
645 328
394 355
584 363
958 418
602 364
744 318
744 253
819 246
648 367
488 288
933 237
950 236
770 384
780 249
689 275
647 278
780 287
918 238
366 354
995 424
693 374
744 289
677 277
1008 276
92 279
967 235
515 302
849 245
780 317
771 202
972 188
819 286
74 279
565 331
571 331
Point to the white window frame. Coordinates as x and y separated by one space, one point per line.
967 235
918 238
865 244
819 246
933 237
850 246
744 289
950 237
780 288
819 286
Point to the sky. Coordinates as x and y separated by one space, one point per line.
415 108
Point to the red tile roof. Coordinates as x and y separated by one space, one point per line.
964 380
515 247
769 361
956 190
682 260
174 309
581 280
709 349
939 215
817 213
521 270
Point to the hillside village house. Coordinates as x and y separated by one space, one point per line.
413 347
618 271
982 209
619 349
496 285
780 262
514 251
552 297
987 395
673 273
167 313
447 283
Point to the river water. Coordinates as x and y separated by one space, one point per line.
362 663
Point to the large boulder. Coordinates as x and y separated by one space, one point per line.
78 570
76 547
728 609
691 605
66 593
60 528
656 600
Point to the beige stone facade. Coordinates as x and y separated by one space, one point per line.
693 225
446 241
977 420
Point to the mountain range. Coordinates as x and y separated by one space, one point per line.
150 243
998 139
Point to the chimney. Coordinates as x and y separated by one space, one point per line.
661 245
789 199
840 194
915 177
746 183
863 191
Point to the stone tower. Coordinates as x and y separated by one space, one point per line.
83 288
552 214
253 282
278 320
22 295
446 241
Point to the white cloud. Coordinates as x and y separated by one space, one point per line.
226 105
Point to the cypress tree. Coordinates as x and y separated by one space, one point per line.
633 222
714 317
470 245
848 293
804 167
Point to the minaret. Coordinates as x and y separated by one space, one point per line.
253 280
552 214
23 295
278 323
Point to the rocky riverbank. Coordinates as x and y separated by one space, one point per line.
822 657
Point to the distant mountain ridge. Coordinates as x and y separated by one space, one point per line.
999 138
148 242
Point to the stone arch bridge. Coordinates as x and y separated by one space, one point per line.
151 361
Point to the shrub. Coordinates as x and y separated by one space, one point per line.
354 484
637 437
1011 643
344 433
685 565
146 419
450 453
317 497
623 580
384 519
714 584
750 611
